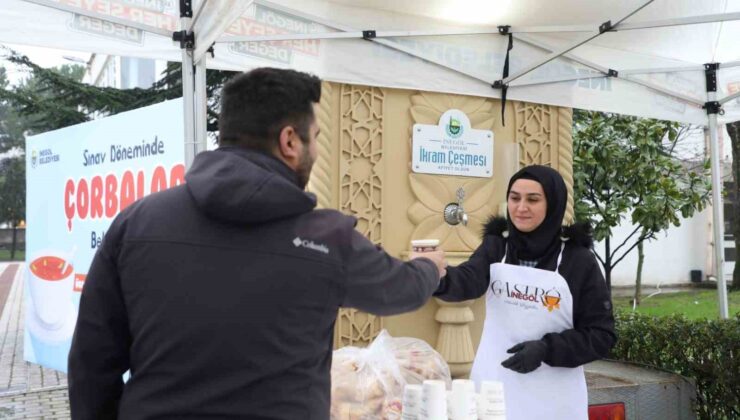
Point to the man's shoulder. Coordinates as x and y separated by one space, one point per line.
167 203
330 219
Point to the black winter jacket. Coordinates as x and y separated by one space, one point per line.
593 334
220 297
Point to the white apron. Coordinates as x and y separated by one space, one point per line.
523 304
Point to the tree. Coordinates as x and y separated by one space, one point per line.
13 195
11 132
733 129
12 167
56 98
623 167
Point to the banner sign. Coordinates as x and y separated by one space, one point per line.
452 147
77 180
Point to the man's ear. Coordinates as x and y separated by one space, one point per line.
288 143
289 146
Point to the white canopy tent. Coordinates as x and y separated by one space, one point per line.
676 60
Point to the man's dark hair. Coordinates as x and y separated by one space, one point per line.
255 106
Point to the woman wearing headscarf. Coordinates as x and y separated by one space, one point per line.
548 310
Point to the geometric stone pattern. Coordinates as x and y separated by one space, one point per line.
360 158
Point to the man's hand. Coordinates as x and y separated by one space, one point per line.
438 257
528 356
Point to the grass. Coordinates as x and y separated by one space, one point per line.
694 304
5 255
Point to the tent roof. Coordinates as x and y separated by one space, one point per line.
464 64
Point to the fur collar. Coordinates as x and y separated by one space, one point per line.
580 233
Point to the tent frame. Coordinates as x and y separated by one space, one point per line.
194 77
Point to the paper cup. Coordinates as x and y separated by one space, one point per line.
50 284
491 405
433 400
411 402
424 245
463 404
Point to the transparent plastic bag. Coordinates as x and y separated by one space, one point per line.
367 383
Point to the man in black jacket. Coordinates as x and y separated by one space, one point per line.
220 296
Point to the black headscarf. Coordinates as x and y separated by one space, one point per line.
545 239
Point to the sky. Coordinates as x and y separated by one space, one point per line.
45 57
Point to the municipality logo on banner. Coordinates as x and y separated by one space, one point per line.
43 157
452 147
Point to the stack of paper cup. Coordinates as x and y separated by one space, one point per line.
463 405
433 400
411 402
491 405
424 245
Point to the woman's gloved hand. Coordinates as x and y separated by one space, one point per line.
528 356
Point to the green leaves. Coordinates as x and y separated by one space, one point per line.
624 169
56 98
704 350
13 190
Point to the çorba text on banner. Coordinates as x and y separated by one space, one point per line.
78 179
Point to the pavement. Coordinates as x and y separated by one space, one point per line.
27 390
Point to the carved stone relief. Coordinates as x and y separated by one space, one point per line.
433 192
360 189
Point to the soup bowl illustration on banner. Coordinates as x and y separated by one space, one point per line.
50 285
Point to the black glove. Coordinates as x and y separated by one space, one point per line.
528 357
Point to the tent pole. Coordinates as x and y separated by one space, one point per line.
188 82
201 106
188 96
558 79
697 67
719 246
690 20
195 18
729 98
717 225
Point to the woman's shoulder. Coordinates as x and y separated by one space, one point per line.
495 226
493 236
579 235
579 243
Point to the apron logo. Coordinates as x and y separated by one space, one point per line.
551 300
517 291
496 288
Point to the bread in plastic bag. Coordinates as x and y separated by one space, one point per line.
367 383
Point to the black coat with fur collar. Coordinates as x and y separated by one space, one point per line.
593 334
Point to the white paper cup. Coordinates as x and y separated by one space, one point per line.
433 400
463 404
491 405
50 284
411 402
424 245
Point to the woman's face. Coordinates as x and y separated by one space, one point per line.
527 204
